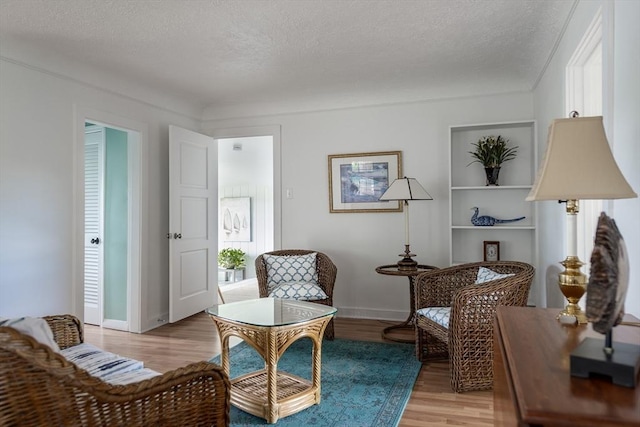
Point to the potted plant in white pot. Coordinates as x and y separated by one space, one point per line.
231 258
492 152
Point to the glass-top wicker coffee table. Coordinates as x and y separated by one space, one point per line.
271 325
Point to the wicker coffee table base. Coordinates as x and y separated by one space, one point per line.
269 393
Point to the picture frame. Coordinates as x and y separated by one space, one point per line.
491 250
357 180
235 219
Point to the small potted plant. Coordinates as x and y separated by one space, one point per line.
231 258
492 152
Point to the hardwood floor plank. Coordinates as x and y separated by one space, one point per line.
432 402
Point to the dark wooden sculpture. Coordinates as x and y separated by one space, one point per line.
609 278
606 292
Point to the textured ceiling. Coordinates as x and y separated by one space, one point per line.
247 57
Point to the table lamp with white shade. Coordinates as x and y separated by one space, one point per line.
578 165
406 189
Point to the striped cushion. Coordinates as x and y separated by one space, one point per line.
298 291
131 376
440 315
291 268
99 363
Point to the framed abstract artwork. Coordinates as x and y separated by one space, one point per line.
356 181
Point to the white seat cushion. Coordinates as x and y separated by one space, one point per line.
299 291
439 315
37 328
487 275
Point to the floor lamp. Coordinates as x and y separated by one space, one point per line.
405 189
578 165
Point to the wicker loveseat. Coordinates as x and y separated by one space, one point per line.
39 387
454 316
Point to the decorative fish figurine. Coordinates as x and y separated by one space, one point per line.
486 220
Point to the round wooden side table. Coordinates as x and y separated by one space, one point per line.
392 270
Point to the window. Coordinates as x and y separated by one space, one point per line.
585 95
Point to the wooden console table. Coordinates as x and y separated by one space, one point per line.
532 380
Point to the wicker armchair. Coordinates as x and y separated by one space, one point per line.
468 339
325 268
38 387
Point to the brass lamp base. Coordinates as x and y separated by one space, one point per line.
407 263
573 284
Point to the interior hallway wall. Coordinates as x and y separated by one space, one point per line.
115 225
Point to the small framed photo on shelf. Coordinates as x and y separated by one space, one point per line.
491 250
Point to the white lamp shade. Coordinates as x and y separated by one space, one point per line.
406 189
578 164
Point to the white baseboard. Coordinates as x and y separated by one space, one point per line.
347 312
155 321
120 325
365 313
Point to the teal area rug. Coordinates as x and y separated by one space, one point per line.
364 384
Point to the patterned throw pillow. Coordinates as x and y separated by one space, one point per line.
486 275
298 291
440 315
291 268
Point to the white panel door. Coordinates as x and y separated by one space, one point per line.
193 219
93 224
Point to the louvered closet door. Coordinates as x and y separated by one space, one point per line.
93 225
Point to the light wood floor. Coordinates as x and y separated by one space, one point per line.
170 346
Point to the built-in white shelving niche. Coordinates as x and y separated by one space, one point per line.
518 240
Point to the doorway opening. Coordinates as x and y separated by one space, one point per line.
267 221
108 283
106 224
246 198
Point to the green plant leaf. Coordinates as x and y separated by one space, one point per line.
492 151
231 258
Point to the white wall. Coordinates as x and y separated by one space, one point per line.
37 170
626 133
37 227
549 97
249 173
359 242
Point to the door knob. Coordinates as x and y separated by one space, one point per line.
95 241
177 235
